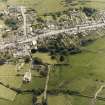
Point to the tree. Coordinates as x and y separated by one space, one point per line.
12 22
2 61
37 61
4 35
27 59
33 50
43 73
39 19
89 11
53 57
62 58
54 17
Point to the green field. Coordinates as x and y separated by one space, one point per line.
85 74
45 6
59 100
8 75
45 58
6 93
98 4
42 6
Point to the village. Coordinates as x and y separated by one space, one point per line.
25 34
31 28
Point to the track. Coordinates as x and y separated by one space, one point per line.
97 93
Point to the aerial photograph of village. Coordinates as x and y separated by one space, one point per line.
52 52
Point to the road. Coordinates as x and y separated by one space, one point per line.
72 31
23 10
47 80
75 30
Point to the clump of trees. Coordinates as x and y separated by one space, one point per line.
27 59
4 35
37 61
86 42
2 61
12 22
89 11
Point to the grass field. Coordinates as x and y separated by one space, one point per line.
45 6
24 99
42 6
59 100
85 74
6 93
8 75
98 4
45 58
